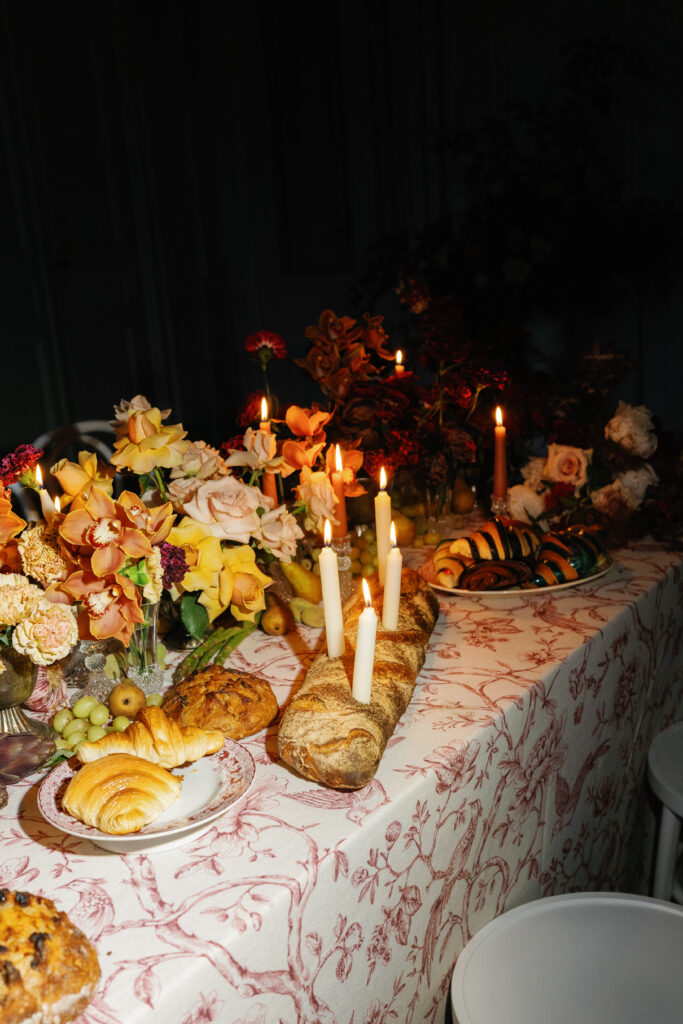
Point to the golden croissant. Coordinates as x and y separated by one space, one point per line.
157 738
120 793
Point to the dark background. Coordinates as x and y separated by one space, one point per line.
177 175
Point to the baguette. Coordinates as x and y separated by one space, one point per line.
325 734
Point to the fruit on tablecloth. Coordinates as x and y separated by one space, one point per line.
126 699
120 723
304 583
49 970
154 700
84 706
405 528
307 612
278 618
155 737
237 703
463 497
120 793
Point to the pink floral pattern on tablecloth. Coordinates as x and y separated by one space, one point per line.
517 771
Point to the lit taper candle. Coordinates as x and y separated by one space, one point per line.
500 472
268 485
332 606
47 505
399 368
364 660
392 584
341 526
382 525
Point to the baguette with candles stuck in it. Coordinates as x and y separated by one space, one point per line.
325 734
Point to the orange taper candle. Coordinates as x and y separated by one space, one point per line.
500 471
340 528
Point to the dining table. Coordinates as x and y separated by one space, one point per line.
517 771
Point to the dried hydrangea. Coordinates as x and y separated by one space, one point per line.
41 555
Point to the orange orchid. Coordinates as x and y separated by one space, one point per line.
10 559
110 605
10 523
352 460
306 422
149 444
296 455
78 478
100 535
154 522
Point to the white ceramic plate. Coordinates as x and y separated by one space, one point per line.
210 786
429 574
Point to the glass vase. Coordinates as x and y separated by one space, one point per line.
143 667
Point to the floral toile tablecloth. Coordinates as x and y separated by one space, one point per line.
517 771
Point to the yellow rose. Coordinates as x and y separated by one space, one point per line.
149 444
202 553
246 582
79 478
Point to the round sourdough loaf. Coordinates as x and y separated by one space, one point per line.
237 703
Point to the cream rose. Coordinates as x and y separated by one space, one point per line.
228 508
567 465
182 491
200 460
280 532
47 635
260 450
525 503
633 429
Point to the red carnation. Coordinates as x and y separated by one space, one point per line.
19 462
266 345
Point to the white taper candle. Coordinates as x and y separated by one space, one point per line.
392 584
364 660
332 606
382 525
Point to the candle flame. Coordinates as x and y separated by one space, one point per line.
499 416
327 533
39 476
399 356
392 534
58 504
339 464
382 479
264 408
366 594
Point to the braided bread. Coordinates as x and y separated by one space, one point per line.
569 555
498 538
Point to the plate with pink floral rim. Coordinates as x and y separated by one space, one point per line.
210 787
428 572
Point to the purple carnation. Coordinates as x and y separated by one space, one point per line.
173 562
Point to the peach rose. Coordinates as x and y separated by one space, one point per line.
315 490
228 508
260 449
567 465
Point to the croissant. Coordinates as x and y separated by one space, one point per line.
449 567
499 538
157 738
120 793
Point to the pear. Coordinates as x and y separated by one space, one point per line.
463 496
303 582
405 529
126 699
278 618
